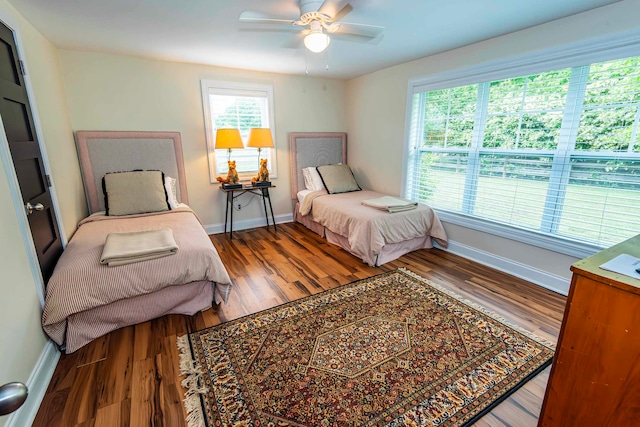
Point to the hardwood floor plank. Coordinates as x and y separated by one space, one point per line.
108 416
114 381
129 378
52 408
145 396
82 401
95 353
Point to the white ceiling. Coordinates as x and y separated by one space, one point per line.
208 31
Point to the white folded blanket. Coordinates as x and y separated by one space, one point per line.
390 204
136 246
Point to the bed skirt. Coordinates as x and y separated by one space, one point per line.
90 324
307 221
389 252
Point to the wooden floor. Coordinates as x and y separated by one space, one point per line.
130 377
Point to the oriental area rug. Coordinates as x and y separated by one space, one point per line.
391 350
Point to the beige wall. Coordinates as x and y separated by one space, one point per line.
21 336
376 106
113 92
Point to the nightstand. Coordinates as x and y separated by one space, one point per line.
234 193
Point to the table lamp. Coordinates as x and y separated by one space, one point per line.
260 138
227 138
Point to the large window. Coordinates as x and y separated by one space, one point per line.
554 153
242 106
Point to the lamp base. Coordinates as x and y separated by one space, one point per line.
231 186
261 184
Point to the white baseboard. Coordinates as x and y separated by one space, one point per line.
541 278
248 223
37 384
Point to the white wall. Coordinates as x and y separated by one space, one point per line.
376 107
114 92
22 340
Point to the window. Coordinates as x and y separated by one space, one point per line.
553 153
242 106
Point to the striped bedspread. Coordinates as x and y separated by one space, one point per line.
80 283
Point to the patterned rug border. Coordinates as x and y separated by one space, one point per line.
194 389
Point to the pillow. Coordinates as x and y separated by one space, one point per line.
172 191
128 193
312 179
338 179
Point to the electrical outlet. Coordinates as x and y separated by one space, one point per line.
239 206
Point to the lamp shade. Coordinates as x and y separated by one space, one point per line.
316 42
260 138
228 139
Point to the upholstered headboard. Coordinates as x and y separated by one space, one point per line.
314 149
100 152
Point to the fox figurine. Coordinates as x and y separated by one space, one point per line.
263 172
232 175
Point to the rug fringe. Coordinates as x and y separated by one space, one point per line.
191 383
481 309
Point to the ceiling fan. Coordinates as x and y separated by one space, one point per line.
319 18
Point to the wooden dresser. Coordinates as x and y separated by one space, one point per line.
595 376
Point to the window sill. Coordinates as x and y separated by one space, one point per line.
553 243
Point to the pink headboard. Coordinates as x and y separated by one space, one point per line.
100 152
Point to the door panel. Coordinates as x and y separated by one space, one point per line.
32 182
16 120
8 70
27 158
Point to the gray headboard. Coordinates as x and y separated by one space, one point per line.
100 152
314 149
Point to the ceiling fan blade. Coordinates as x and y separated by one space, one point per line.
254 17
336 10
356 38
371 31
342 12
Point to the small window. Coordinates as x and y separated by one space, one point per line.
242 106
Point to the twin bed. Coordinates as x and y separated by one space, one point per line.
374 235
86 299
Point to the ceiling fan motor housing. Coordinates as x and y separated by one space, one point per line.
312 18
308 6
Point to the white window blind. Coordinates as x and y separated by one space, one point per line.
242 106
555 153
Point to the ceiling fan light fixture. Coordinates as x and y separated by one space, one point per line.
316 42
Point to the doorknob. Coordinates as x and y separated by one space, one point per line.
30 208
12 396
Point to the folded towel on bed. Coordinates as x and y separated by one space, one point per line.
136 246
390 204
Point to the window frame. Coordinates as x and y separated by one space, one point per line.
601 49
245 89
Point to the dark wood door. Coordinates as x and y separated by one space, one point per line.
27 158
